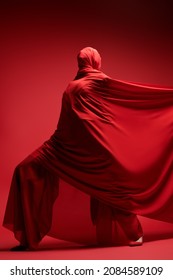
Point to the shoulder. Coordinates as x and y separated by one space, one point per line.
77 86
86 84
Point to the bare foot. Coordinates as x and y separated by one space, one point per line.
138 242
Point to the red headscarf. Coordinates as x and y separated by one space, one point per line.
88 60
89 57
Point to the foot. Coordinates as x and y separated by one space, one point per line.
19 248
138 242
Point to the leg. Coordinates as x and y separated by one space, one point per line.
29 207
101 216
104 225
131 226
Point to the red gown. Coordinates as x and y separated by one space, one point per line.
113 143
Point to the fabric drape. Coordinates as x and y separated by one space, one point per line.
113 143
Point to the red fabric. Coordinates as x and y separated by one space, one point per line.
113 142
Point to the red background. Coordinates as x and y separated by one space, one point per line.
39 44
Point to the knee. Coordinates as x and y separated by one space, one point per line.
24 164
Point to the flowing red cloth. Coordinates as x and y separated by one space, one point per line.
113 143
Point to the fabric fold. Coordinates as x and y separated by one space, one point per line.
113 143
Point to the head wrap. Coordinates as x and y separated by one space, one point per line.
89 58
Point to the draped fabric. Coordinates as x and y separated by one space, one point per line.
113 143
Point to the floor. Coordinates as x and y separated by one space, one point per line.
157 246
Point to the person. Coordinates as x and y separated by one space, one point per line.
109 143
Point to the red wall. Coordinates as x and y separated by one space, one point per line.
39 44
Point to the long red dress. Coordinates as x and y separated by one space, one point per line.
113 143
